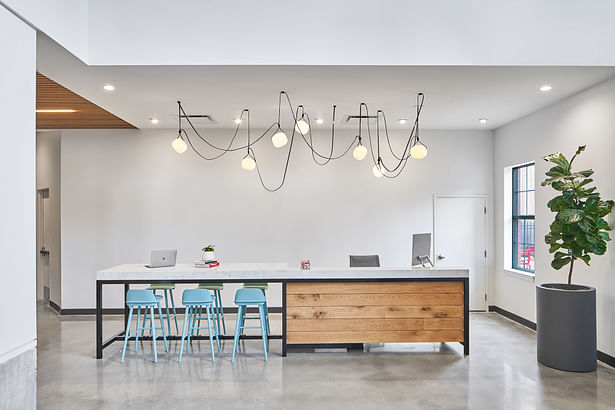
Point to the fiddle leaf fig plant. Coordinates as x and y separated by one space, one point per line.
579 228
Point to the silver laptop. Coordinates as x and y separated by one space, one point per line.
162 259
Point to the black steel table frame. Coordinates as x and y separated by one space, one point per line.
101 344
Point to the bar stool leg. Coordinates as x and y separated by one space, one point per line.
137 332
143 325
237 330
153 334
216 308
216 326
174 313
263 320
211 339
184 334
127 334
164 335
198 328
192 319
166 303
221 310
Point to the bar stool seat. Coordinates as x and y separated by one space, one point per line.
262 286
143 298
167 289
216 287
243 298
194 300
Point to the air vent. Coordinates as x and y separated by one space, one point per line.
360 117
200 118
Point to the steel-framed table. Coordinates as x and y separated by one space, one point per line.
347 278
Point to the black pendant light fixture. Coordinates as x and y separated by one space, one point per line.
413 148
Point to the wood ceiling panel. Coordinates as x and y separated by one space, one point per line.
51 95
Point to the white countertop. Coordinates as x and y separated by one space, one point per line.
271 271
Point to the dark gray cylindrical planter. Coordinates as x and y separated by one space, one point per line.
566 326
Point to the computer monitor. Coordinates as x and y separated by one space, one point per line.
421 249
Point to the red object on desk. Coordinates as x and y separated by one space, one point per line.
207 265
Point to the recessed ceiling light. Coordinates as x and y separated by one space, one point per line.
154 120
483 120
109 87
402 120
319 121
56 110
237 120
546 87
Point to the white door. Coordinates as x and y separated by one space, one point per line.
460 240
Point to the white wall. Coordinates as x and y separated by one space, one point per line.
126 192
17 181
322 32
48 176
391 32
586 118
66 21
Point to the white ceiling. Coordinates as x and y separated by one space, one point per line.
455 96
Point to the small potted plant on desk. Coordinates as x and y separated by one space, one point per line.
208 253
565 312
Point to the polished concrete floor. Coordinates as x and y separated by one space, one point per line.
500 373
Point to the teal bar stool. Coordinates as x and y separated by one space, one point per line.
167 289
195 300
143 298
244 298
262 286
218 306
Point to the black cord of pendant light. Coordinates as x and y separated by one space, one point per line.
406 153
393 172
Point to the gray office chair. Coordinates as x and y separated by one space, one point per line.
364 261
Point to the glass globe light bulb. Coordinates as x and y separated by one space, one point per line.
377 171
179 145
418 151
302 126
279 139
360 152
248 163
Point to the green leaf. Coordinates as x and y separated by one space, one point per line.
556 171
552 237
599 248
560 263
554 246
585 258
586 224
579 150
558 159
570 215
602 224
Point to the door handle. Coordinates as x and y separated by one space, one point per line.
440 257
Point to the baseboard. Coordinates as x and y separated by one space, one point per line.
55 307
119 311
521 320
606 358
603 357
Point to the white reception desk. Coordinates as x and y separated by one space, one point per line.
331 306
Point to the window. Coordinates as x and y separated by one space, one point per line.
523 210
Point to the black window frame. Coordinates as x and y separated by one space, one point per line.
517 218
